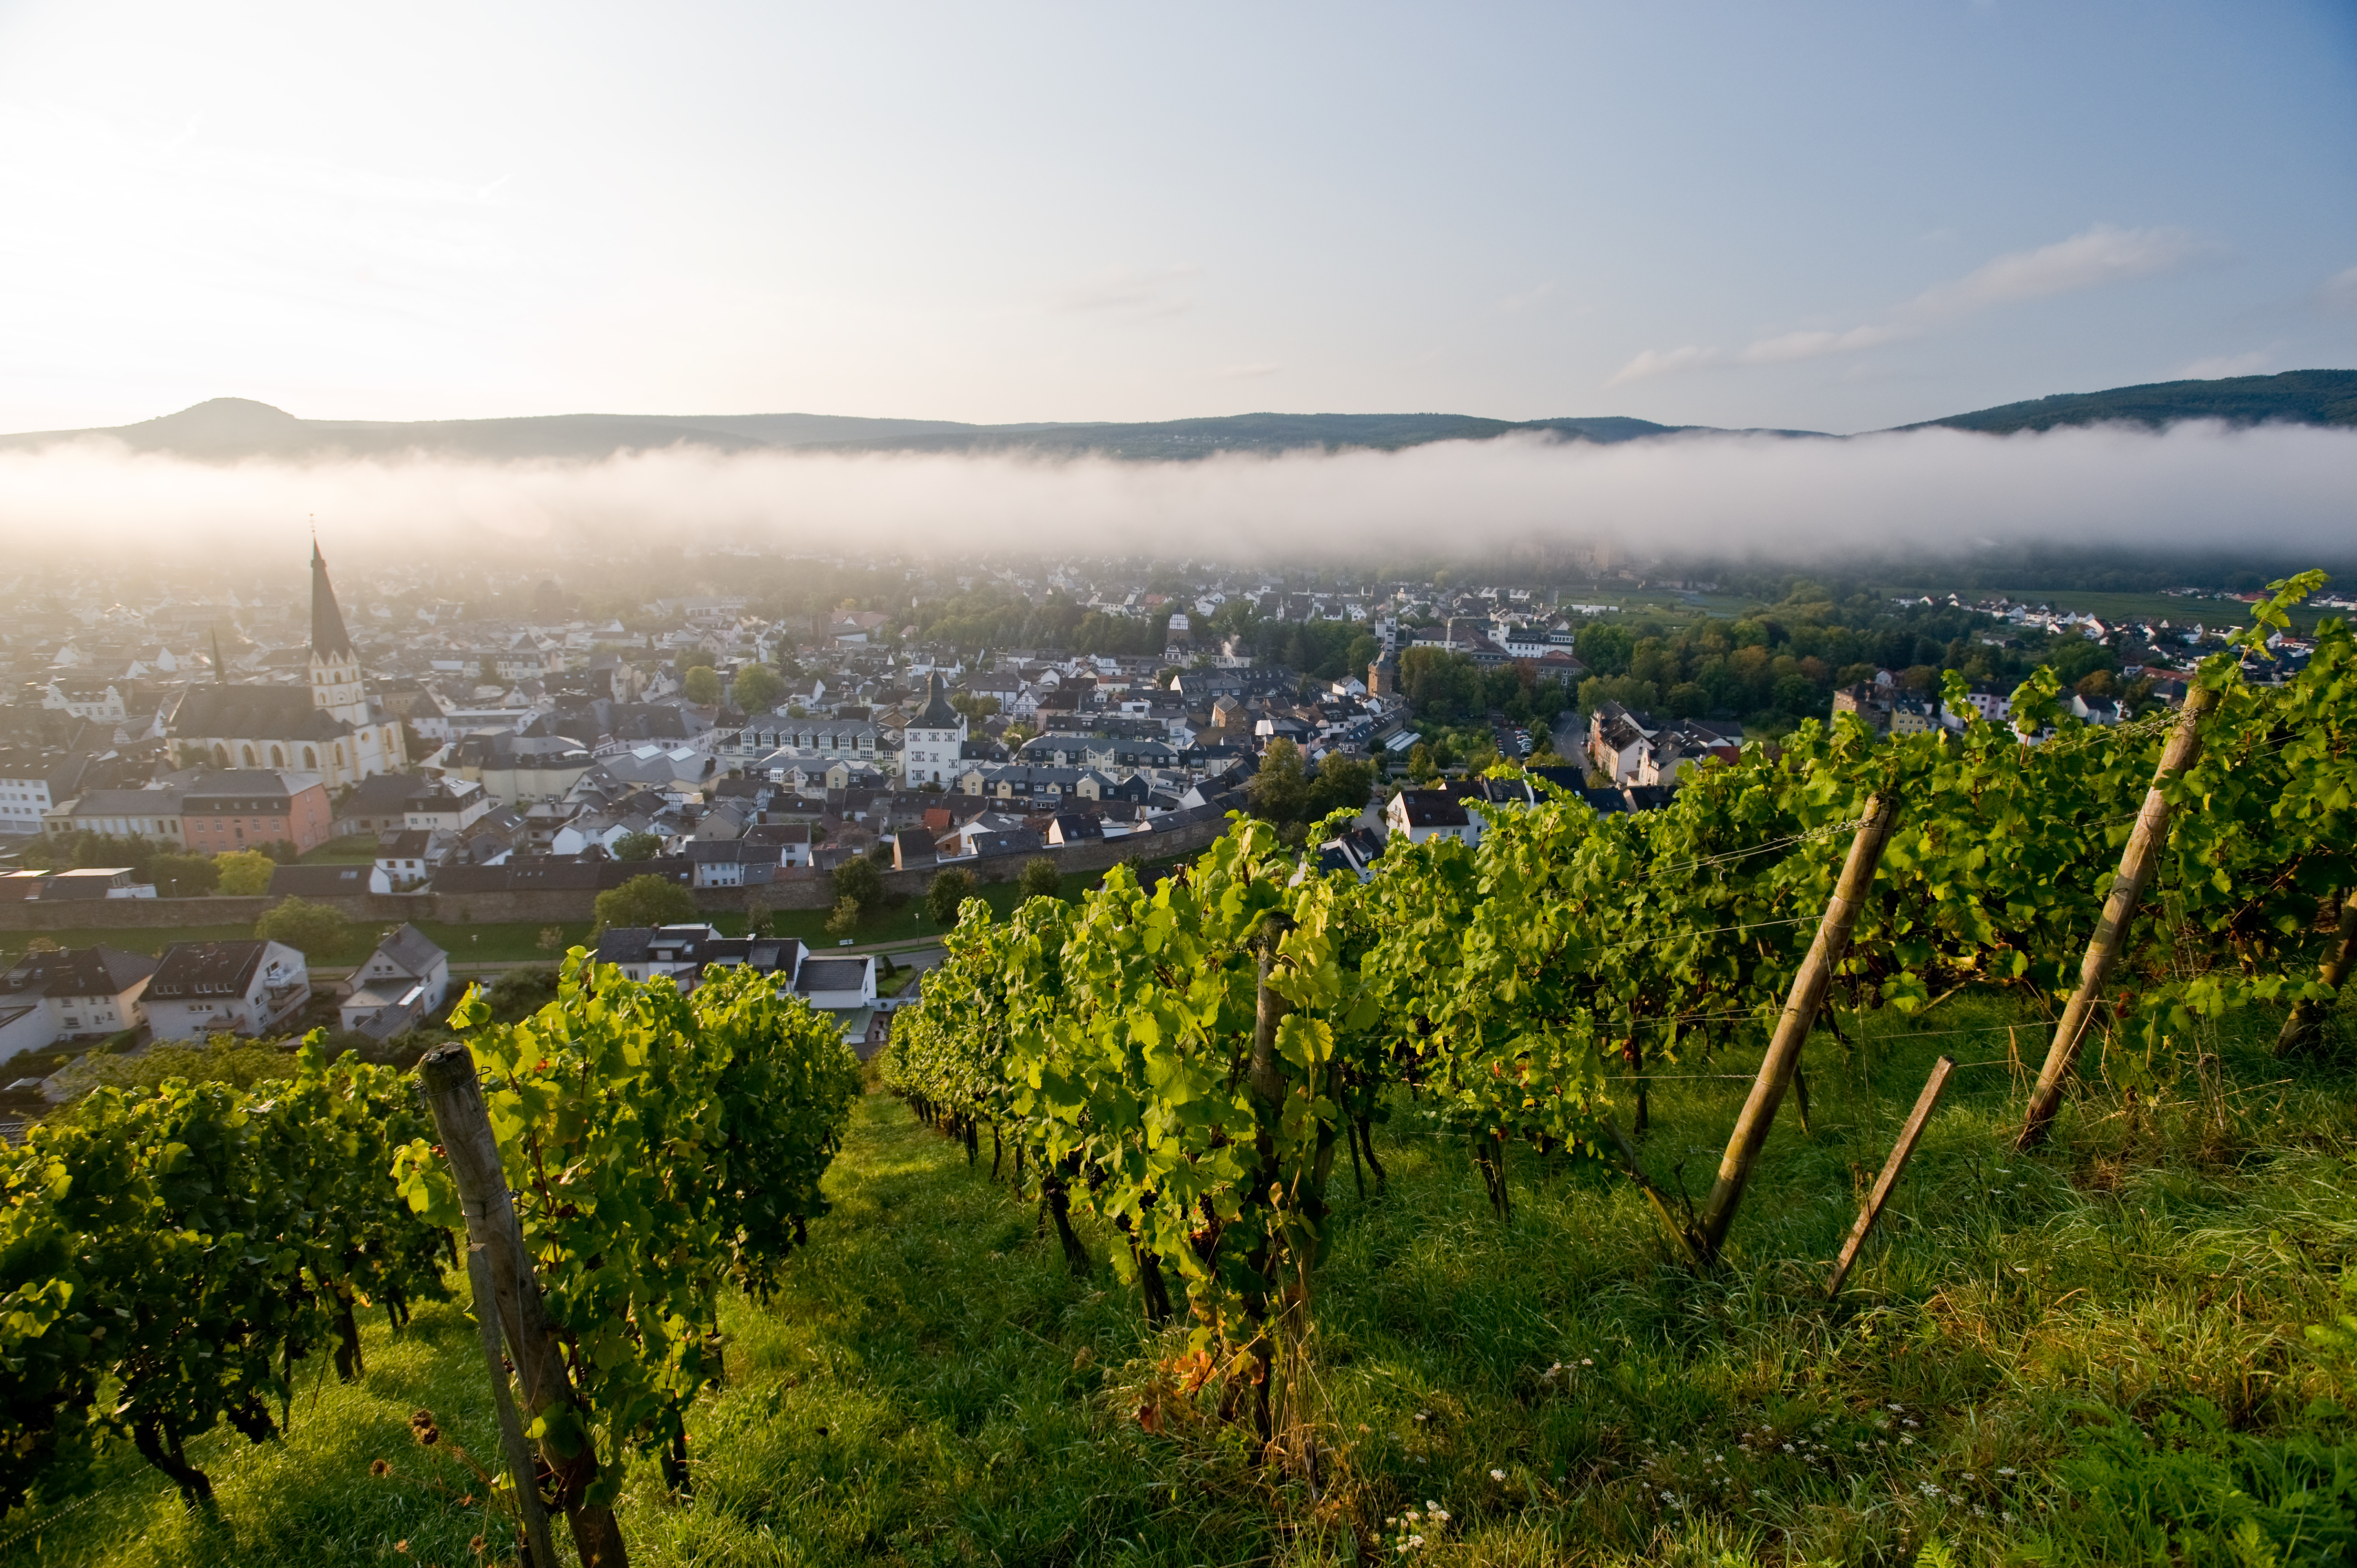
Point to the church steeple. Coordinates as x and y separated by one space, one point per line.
328 640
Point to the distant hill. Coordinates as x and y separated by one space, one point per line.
227 429
2295 397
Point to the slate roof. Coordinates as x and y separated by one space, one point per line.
256 712
77 971
938 712
328 635
411 950
831 974
206 969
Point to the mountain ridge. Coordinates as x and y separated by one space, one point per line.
232 429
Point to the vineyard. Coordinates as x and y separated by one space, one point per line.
1484 1211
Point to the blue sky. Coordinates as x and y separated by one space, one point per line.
1832 216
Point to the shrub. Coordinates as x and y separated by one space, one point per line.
243 872
314 930
637 847
950 889
645 902
1042 879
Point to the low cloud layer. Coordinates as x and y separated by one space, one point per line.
2276 491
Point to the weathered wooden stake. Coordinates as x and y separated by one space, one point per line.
2307 1017
514 1447
1883 1184
1808 993
456 1097
2111 931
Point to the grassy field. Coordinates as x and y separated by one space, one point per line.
2095 1355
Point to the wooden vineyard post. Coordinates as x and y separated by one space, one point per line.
514 1447
1884 1183
2119 909
2306 1015
460 1117
1800 1005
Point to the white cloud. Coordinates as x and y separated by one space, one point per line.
1815 344
1653 362
1927 492
2218 365
2102 255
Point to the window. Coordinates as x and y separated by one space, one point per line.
249 756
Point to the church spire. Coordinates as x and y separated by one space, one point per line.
328 640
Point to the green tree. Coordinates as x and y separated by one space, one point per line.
845 920
858 880
645 902
243 872
701 686
757 689
1042 879
1341 781
314 930
637 847
1279 792
1607 649
183 876
949 890
1421 767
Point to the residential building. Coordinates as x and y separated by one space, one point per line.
254 808
151 814
76 992
200 988
399 986
934 742
1421 814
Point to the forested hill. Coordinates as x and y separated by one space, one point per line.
232 429
2295 397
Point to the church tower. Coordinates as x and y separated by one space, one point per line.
335 685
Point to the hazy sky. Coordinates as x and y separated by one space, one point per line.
1832 216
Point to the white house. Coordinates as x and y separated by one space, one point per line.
933 741
70 994
253 987
836 984
400 985
1421 814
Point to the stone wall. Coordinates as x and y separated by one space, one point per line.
543 907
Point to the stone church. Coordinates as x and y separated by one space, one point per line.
333 729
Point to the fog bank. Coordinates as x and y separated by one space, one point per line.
2282 488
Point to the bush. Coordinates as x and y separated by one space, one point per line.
1042 879
701 686
637 847
858 881
845 921
224 1058
183 876
243 872
950 889
645 902
519 994
314 930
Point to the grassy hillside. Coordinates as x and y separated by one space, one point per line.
2094 1355
2295 397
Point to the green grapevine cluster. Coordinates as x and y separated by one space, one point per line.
659 1146
1495 988
167 1256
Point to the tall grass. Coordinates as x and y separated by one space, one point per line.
2092 1355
